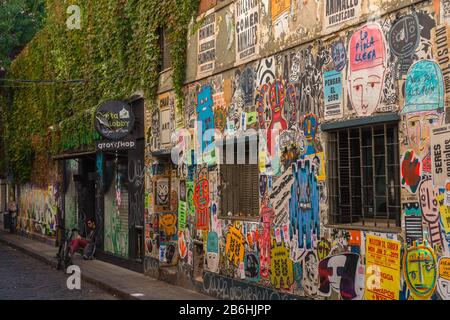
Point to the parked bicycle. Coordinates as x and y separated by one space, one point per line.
64 259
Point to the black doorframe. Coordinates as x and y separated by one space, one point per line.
136 190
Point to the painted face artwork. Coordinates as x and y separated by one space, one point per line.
367 55
162 192
428 201
420 273
418 128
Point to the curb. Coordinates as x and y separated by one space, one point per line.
102 285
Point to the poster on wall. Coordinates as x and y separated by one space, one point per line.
440 155
206 45
337 12
164 106
280 10
247 21
333 95
445 11
382 269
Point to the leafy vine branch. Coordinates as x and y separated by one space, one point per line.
116 38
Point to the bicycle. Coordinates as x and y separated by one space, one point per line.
63 257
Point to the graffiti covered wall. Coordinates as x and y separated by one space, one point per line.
393 65
37 210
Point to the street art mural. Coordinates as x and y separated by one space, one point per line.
288 248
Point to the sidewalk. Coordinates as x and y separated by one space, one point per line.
116 280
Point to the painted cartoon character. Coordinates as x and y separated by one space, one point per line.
367 55
205 116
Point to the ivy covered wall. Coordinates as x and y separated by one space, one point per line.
115 53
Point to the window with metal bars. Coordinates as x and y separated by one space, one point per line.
239 178
364 176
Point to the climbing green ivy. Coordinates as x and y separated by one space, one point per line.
116 51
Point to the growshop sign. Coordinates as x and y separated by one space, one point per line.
114 120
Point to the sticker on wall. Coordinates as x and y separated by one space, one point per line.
413 222
440 157
339 55
168 224
234 246
383 262
444 212
251 266
212 253
445 11
411 171
201 199
281 267
443 285
162 194
404 38
181 215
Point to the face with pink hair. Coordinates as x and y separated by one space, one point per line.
367 55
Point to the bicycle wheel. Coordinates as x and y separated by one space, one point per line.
60 257
67 258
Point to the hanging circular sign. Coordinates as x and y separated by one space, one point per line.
114 119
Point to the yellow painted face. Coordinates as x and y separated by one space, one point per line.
420 271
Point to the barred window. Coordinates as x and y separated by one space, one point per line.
239 178
364 176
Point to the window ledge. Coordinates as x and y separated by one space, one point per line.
348 226
249 219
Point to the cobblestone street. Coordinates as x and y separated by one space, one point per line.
24 278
